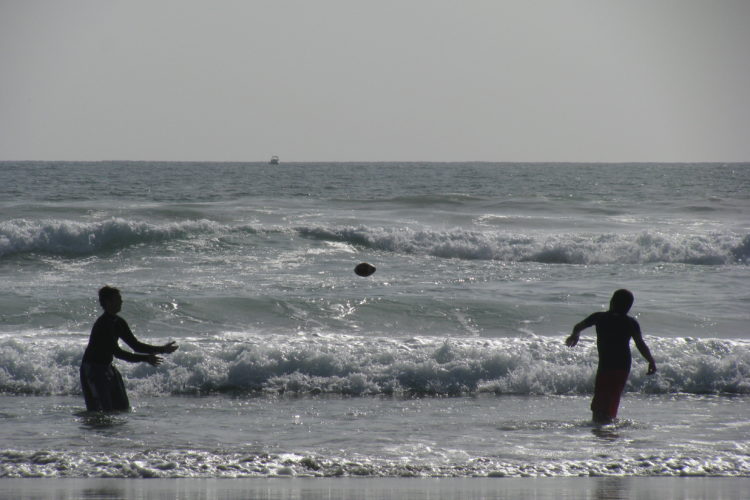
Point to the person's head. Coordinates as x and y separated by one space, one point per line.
110 299
621 301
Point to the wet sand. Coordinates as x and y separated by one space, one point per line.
595 488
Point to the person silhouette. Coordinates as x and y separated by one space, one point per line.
614 329
103 388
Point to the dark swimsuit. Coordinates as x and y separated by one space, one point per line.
613 334
103 388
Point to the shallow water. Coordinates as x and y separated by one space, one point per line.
496 436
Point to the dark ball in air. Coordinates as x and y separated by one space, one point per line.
364 269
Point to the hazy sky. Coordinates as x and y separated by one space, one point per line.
405 80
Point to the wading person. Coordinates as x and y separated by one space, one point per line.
614 329
102 384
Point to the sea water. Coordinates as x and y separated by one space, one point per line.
449 361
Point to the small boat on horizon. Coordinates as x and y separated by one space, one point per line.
274 160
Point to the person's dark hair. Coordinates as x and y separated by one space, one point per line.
106 293
621 301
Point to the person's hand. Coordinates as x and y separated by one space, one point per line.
651 368
169 347
572 340
154 360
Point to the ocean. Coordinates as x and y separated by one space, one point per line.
449 361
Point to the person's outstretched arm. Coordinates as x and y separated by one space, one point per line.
127 336
147 352
573 339
168 347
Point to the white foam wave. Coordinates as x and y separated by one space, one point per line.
639 248
62 237
156 463
348 365
73 238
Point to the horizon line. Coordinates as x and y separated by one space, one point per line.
530 162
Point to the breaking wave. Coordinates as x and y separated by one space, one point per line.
646 247
68 238
361 366
75 239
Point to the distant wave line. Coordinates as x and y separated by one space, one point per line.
72 239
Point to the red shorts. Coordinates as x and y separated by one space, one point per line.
607 391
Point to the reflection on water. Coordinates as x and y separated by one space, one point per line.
606 432
612 488
611 431
103 494
599 488
98 420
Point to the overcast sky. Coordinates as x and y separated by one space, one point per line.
404 80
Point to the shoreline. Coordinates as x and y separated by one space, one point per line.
609 487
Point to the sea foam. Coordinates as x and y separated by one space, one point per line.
70 238
155 463
564 248
360 366
74 239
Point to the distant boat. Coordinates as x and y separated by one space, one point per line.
274 160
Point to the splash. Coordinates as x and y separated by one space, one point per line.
363 366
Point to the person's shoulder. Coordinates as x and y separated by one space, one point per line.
103 318
613 318
119 321
634 322
103 325
121 326
109 320
592 319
